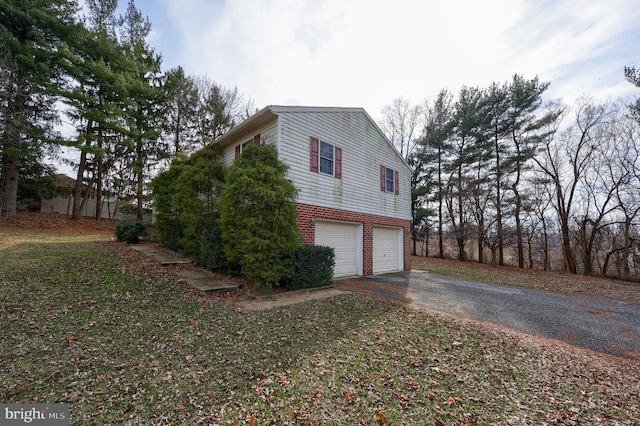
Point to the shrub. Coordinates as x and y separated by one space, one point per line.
312 267
211 255
173 234
186 198
258 216
130 231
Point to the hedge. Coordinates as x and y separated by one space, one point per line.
312 267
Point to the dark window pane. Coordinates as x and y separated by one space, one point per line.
326 166
326 150
389 180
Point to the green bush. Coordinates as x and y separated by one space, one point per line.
186 198
258 216
174 234
130 231
312 267
211 255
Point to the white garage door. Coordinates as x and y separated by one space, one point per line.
345 240
387 253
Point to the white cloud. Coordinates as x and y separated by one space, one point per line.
366 52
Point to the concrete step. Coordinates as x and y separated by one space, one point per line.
161 256
199 278
208 282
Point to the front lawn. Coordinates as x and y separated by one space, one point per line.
98 326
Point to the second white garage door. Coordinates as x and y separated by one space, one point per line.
345 238
387 255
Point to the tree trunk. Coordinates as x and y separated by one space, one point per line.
493 256
140 180
99 171
545 237
426 241
569 256
499 203
461 231
10 194
440 213
82 165
77 192
461 255
98 188
627 246
519 229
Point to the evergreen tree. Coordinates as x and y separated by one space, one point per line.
428 164
527 130
186 198
97 98
258 216
147 97
497 100
34 34
632 74
467 143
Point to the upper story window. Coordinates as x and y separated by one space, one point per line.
240 147
244 144
389 180
326 158
391 187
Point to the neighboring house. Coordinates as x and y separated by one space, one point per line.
62 202
354 190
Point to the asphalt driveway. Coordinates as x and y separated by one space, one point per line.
610 325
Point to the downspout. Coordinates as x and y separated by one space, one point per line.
279 135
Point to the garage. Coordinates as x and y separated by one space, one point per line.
346 240
387 250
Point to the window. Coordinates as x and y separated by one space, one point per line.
239 148
391 187
326 158
244 144
389 180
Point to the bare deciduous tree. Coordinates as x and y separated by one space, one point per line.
399 124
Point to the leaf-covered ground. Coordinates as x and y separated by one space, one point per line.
117 337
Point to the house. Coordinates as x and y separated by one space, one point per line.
354 190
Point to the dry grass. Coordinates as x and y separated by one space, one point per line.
98 326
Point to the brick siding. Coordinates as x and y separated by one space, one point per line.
308 214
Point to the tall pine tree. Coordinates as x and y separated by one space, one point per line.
147 98
34 34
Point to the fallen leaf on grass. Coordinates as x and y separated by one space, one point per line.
453 400
349 396
380 418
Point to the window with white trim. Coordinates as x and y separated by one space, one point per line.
389 180
326 158
240 147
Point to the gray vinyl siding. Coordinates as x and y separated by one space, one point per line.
364 149
267 135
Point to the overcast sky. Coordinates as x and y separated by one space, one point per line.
365 53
